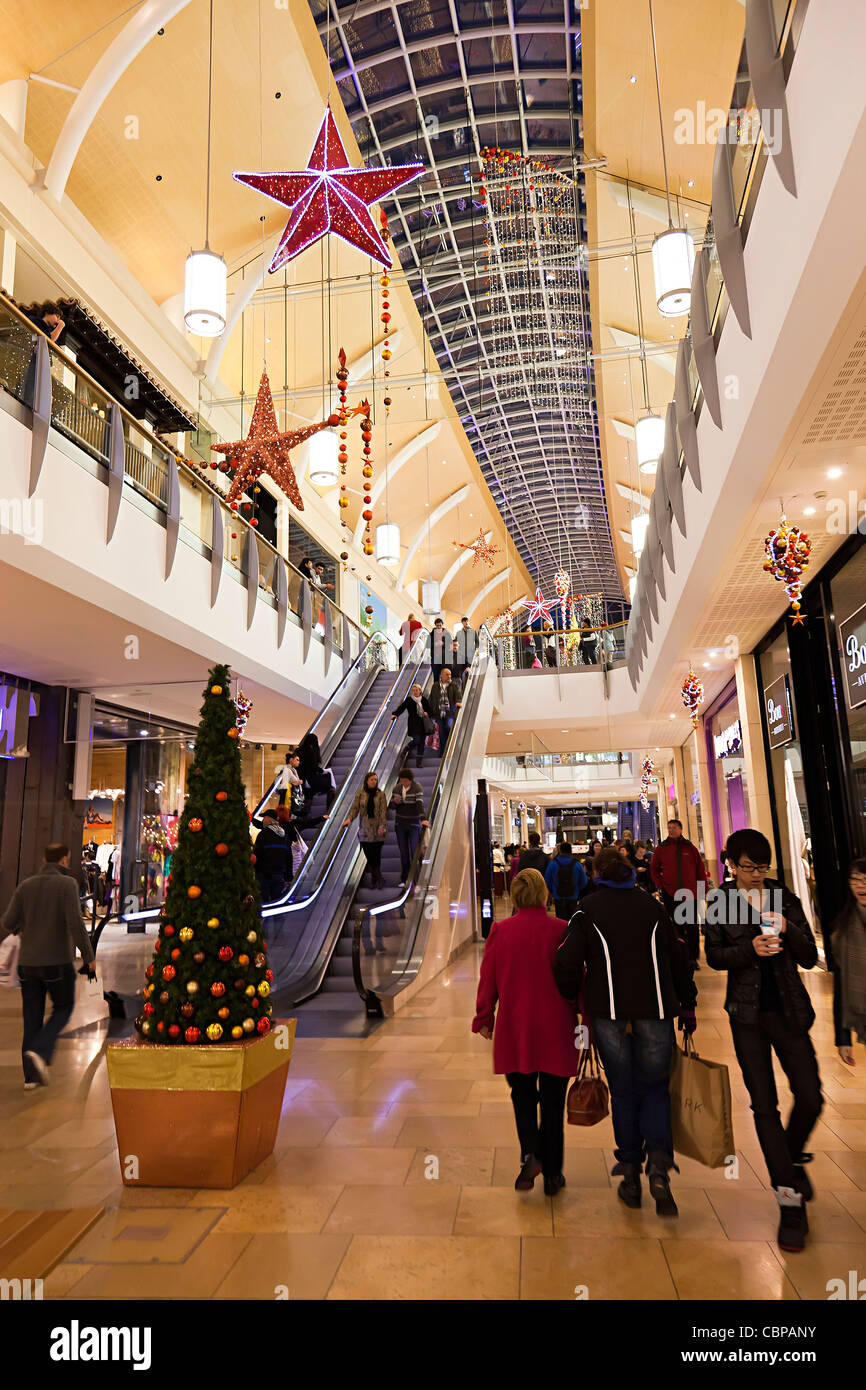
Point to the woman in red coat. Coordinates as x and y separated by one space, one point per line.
534 1040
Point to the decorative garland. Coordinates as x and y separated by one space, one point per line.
482 550
693 696
645 778
787 551
243 705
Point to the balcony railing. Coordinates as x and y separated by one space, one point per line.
558 649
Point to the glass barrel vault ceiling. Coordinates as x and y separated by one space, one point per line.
441 80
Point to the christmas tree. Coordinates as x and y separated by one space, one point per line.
208 981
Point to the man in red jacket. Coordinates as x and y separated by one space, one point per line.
677 867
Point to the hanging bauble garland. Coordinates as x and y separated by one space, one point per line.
787 551
367 475
646 774
561 583
693 696
385 316
342 452
243 705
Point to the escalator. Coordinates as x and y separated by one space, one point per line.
394 914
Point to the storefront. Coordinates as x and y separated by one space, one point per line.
813 682
727 769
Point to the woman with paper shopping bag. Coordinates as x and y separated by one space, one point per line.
638 980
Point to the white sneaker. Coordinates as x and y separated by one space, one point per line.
39 1066
31 1085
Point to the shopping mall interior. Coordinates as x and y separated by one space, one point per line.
344 343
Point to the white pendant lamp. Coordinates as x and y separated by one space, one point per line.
431 598
673 255
649 434
204 285
388 543
639 525
204 293
323 459
673 251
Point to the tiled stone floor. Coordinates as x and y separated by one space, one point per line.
393 1178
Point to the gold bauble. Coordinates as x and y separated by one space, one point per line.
214 1031
248 1025
186 934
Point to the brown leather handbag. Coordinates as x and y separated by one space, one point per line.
588 1100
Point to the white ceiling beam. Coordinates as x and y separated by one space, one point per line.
655 348
401 457
650 205
625 430
427 526
135 35
489 588
458 564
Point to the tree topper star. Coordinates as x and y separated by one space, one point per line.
330 196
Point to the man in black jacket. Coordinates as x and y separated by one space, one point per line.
534 857
758 932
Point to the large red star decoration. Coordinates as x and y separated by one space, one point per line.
330 196
481 548
266 450
540 607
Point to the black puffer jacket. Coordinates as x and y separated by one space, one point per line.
533 858
636 965
730 929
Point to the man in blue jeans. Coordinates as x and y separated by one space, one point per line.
408 803
45 912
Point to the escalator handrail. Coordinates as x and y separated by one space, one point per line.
379 637
286 905
460 733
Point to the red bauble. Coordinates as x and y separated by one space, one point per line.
222 796
217 989
168 931
199 957
263 1025
187 1010
149 972
225 953
173 1030
269 976
221 850
195 824
160 1027
164 997
148 1009
175 955
192 1035
168 972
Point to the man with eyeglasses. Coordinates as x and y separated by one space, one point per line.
757 931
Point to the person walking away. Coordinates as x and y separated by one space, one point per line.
293 824
532 1027
534 857
371 808
273 857
408 631
676 869
498 856
757 931
565 876
641 864
848 951
439 647
467 644
419 721
45 913
637 980
314 777
588 643
407 801
445 697
608 644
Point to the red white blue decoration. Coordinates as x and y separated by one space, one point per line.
330 196
540 608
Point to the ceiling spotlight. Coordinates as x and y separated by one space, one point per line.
633 78
691 183
834 472
808 511
673 716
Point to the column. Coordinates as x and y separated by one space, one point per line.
683 803
705 773
13 109
749 699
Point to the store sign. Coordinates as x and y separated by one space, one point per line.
852 639
777 702
17 708
730 741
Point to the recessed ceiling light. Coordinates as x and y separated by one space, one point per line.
673 716
834 472
706 666
691 183
808 511
633 78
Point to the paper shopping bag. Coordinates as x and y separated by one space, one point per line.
701 1108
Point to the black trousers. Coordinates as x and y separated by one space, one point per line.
373 854
529 1092
754 1044
565 908
691 925
38 984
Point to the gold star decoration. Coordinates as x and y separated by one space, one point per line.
266 449
482 549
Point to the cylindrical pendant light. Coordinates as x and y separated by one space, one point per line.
431 598
649 433
388 543
204 287
673 255
639 524
204 293
323 469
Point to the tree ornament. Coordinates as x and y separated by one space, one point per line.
198 957
243 960
645 778
175 955
217 989
146 1026
213 922
173 1031
237 1032
250 990
196 824
252 936
193 891
168 930
192 986
248 1025
232 733
221 850
562 584
225 953
216 690
168 972
187 1009
148 1009
186 934
263 1026
214 1032
192 1035
787 551
264 989
222 796
693 696
223 1012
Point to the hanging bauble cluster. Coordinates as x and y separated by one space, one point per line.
343 453
367 475
693 696
645 777
385 316
561 583
787 551
243 705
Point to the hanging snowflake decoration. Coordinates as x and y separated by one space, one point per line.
561 583
540 608
243 705
693 696
481 548
645 777
787 551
